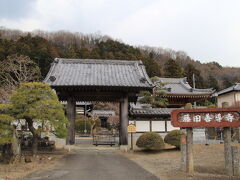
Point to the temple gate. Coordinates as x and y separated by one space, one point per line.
98 80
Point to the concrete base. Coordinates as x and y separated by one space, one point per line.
124 148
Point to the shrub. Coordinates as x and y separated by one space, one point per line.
80 126
174 138
150 140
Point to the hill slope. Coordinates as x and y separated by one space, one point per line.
43 47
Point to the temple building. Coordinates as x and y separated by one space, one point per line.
179 92
229 96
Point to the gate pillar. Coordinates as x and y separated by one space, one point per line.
123 140
71 110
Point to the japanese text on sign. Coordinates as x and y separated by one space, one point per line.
209 117
206 118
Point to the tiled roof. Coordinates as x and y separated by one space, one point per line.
98 72
235 87
151 112
180 86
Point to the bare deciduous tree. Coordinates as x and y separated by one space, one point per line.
14 70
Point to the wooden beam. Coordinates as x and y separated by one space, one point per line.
96 96
71 110
124 121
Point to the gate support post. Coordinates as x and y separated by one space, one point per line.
189 151
71 109
123 121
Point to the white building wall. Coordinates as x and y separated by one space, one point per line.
143 126
231 98
158 125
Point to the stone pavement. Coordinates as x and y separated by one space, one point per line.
94 164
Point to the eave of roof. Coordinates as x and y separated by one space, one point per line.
152 112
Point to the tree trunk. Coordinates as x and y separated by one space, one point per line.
35 144
92 128
35 136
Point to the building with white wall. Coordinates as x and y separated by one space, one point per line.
230 96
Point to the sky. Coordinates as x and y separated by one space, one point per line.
207 30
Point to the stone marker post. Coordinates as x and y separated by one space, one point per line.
183 153
235 160
189 151
227 150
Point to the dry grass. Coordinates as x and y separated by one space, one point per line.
208 163
21 169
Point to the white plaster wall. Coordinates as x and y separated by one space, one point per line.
143 126
238 96
229 97
158 125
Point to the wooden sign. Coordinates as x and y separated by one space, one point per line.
206 117
131 128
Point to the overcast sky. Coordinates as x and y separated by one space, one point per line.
207 30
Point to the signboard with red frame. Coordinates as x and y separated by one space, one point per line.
206 117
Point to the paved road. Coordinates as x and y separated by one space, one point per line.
94 165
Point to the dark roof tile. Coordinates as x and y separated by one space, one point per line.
97 72
151 112
235 87
181 86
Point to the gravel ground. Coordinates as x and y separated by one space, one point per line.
208 163
20 169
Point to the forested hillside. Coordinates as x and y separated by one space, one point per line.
42 47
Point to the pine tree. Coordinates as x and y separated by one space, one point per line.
37 102
6 132
156 99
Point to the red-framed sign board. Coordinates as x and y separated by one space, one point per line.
206 117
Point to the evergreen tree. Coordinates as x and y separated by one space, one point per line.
38 49
6 132
189 71
37 102
228 82
172 69
156 99
212 83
